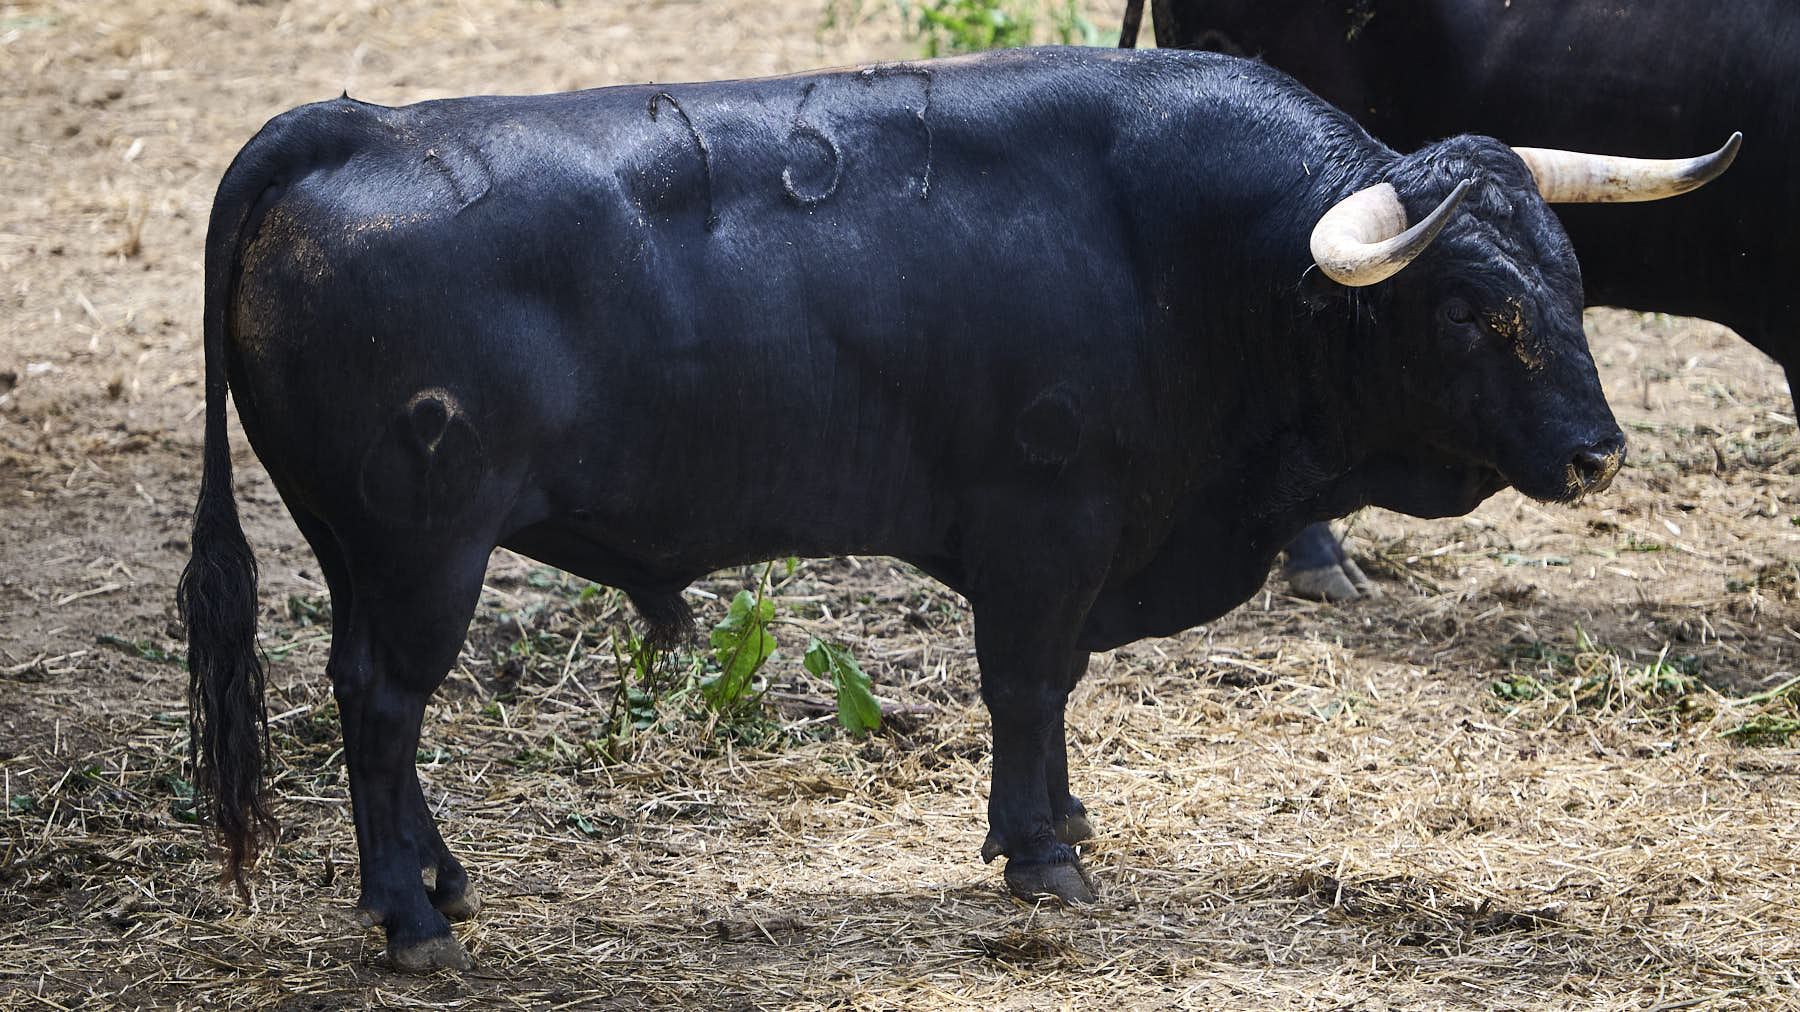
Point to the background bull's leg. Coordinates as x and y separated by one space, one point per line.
1317 567
1067 813
402 633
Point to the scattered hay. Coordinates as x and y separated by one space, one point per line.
1268 840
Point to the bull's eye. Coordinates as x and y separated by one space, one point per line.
1458 312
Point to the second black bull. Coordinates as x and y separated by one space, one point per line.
1638 77
1086 336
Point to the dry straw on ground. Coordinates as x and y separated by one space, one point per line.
1545 770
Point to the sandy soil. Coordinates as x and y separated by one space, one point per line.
1301 806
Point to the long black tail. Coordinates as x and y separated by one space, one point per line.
227 719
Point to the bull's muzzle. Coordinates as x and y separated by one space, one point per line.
1592 467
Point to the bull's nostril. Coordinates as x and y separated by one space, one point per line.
1593 466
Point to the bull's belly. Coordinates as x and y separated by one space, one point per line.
1209 565
1167 608
668 547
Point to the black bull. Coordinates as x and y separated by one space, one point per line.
1638 77
1043 324
1632 77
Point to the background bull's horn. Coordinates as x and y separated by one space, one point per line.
1364 239
1569 177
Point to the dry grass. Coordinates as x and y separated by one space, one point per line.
1283 826
1300 807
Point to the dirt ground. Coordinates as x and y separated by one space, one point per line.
1545 769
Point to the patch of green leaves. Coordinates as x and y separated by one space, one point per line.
945 27
562 584
1778 722
1595 679
1072 28
857 709
1592 680
741 644
721 684
280 650
1765 729
635 704
181 807
1519 688
309 609
605 827
141 648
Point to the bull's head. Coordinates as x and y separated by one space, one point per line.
1485 325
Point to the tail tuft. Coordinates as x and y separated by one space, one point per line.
228 720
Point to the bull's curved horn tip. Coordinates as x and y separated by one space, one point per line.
1364 238
1706 168
1570 177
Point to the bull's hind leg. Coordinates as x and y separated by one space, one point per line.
1067 813
449 892
446 882
1023 685
449 889
1029 607
410 610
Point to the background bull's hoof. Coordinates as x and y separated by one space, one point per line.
460 907
1068 882
367 917
1073 829
1341 581
441 952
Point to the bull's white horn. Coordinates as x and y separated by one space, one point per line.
1364 239
1570 177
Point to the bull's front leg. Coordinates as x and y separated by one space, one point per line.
1025 681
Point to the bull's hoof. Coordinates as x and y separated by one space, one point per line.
1074 828
1343 581
1065 881
439 952
460 907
